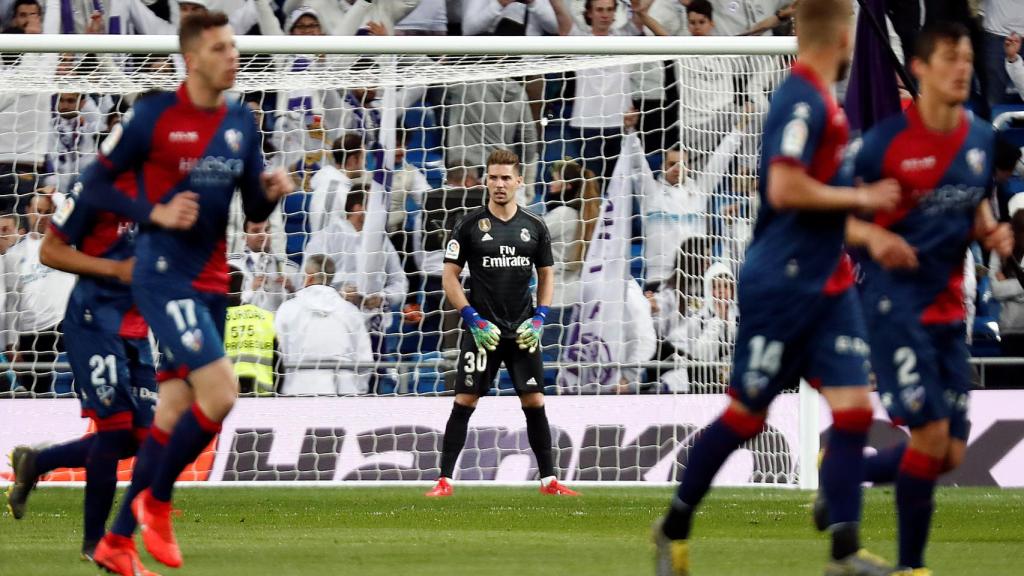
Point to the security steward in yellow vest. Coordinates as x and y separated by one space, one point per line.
249 341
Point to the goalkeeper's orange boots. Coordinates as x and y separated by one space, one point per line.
117 555
441 489
553 488
154 519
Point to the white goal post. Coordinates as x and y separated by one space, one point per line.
596 121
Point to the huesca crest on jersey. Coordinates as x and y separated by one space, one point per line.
233 138
484 224
976 160
524 234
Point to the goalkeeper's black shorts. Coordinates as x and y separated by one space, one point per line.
478 368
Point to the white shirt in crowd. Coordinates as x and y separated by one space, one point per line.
25 117
280 278
704 336
603 95
318 325
640 337
37 295
73 144
482 16
734 17
1015 70
330 186
407 185
564 223
1003 17
343 244
428 15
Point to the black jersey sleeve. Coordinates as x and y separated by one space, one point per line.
455 249
543 258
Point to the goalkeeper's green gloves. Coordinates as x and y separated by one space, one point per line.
528 333
485 334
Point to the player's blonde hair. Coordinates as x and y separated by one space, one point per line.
819 21
504 157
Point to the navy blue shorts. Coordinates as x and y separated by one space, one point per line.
189 328
115 377
923 372
783 338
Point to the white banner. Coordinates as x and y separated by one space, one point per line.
597 438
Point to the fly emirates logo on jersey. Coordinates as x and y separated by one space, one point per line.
506 259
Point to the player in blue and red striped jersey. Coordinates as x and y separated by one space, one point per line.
913 284
799 317
108 348
192 141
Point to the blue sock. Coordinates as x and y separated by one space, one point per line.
842 472
146 460
915 501
192 434
711 450
101 479
71 454
883 467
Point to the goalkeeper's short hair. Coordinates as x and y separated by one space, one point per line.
504 157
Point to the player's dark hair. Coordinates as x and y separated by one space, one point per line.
702 7
246 222
503 157
321 268
346 146
355 197
193 26
586 11
19 3
692 259
936 33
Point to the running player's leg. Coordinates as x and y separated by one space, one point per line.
907 364
477 369
766 361
840 366
190 328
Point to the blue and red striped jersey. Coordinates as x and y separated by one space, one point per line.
801 251
943 176
101 302
169 146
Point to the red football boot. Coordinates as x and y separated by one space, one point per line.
154 519
117 555
555 489
442 489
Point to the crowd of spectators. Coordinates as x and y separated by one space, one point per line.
695 199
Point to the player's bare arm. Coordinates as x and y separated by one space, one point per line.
276 184
58 254
792 188
887 248
452 287
993 235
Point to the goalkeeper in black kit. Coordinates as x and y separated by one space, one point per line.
502 244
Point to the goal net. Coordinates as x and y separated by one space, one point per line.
643 166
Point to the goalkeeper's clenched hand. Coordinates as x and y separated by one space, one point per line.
485 334
528 333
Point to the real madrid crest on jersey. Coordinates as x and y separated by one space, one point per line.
976 160
484 224
233 138
524 234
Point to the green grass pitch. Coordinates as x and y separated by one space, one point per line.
510 531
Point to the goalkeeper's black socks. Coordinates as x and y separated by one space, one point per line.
915 502
146 461
101 478
883 467
72 454
191 435
538 431
709 452
454 438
